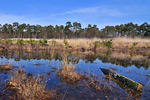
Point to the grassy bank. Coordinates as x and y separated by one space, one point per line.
139 45
122 41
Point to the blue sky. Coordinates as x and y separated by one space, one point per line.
52 12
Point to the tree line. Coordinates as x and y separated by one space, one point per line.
73 30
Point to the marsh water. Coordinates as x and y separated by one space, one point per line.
135 67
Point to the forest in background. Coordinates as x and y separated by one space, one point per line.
73 30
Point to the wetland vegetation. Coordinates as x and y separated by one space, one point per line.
66 62
72 74
74 50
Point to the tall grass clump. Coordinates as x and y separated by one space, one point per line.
68 71
27 87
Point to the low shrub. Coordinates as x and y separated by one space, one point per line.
96 44
32 42
107 43
66 43
8 41
133 46
53 42
43 42
20 42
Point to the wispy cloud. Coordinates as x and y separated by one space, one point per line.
4 18
111 12
90 15
84 10
100 11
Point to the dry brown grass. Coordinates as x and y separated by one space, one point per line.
87 43
81 42
68 72
122 42
26 87
117 42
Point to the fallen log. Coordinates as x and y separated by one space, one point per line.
6 67
134 93
130 83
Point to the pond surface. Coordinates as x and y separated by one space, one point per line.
45 63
